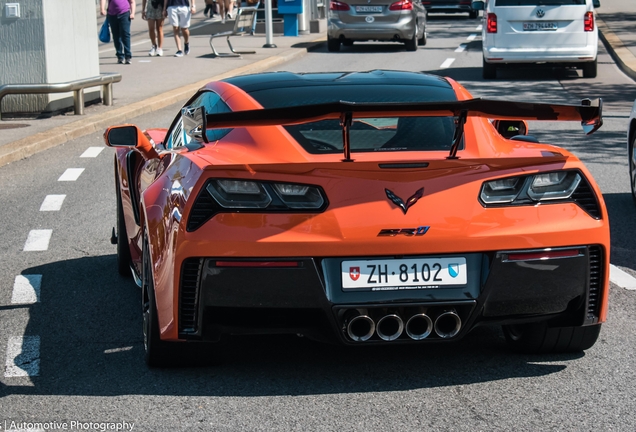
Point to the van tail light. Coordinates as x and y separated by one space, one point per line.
338 6
491 23
588 21
401 5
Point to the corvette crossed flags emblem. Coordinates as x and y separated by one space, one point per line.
409 202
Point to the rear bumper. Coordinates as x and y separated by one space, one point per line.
218 299
532 55
404 29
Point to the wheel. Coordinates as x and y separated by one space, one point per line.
411 44
536 338
589 69
632 166
347 42
422 41
489 70
123 249
333 45
472 14
157 352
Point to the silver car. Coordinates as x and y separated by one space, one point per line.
377 20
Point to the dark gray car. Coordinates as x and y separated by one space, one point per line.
376 20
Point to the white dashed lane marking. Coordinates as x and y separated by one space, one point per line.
26 289
447 63
52 203
23 356
621 278
92 152
71 174
479 27
472 37
38 240
460 48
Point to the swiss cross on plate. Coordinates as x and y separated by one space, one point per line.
354 273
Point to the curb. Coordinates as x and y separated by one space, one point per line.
41 141
623 57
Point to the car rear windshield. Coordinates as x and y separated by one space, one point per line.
538 2
366 134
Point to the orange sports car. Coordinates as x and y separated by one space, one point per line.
379 207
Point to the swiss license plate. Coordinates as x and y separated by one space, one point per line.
540 25
398 274
372 9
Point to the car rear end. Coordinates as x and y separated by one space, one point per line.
449 6
378 20
559 32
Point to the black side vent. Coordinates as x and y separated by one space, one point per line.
203 209
189 296
584 196
597 274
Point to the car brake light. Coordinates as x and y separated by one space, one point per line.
401 5
491 25
338 6
588 21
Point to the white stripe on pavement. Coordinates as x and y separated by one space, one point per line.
471 37
26 289
23 356
460 48
92 152
479 27
52 203
447 63
38 240
71 174
621 278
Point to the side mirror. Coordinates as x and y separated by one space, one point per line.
511 128
132 137
478 5
596 4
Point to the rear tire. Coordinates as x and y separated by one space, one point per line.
333 45
590 69
411 44
489 70
632 165
538 338
123 248
422 41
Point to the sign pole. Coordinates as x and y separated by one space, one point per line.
269 42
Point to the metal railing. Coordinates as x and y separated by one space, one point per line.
77 87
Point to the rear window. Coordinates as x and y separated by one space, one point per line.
366 134
538 2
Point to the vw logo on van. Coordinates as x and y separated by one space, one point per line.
540 13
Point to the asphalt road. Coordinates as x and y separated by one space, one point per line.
86 325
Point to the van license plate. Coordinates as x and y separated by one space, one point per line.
539 26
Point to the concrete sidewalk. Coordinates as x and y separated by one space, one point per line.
152 83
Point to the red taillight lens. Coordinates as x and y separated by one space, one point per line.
588 21
401 5
338 6
491 24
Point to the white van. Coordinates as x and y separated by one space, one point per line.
557 32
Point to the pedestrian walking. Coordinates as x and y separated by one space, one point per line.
225 9
119 14
152 11
179 13
210 6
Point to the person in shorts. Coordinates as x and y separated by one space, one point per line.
179 13
152 11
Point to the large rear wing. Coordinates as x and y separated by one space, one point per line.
589 113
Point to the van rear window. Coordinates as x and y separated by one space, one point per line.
538 2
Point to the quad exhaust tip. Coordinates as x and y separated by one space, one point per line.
390 327
360 327
448 324
419 326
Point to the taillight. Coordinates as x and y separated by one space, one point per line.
401 5
588 21
338 6
491 24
